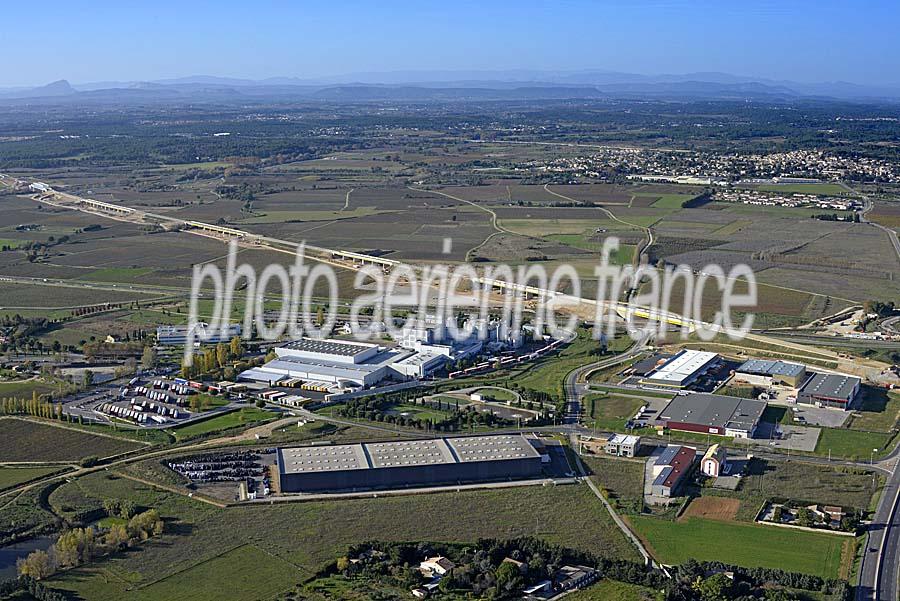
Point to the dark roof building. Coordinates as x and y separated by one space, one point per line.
407 463
829 390
713 414
671 468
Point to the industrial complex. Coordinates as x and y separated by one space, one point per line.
409 463
713 414
681 369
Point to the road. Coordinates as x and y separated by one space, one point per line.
880 580
868 205
575 388
878 570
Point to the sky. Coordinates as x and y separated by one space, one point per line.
105 40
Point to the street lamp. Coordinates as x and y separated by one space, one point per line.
872 456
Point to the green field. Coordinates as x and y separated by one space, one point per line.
672 201
748 545
309 535
242 417
878 410
24 389
610 412
12 476
246 572
24 440
852 444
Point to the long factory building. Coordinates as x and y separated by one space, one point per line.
409 463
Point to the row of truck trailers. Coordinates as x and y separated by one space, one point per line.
151 408
505 361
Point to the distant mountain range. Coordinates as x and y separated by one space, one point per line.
418 86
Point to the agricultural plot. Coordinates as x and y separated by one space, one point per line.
242 417
24 389
886 214
24 440
41 295
13 476
763 546
308 535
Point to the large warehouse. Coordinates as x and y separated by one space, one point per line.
682 369
343 363
713 414
410 463
765 372
829 390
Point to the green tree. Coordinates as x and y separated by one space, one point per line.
149 357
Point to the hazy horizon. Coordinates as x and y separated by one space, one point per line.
828 41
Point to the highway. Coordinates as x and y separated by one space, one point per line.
878 571
878 574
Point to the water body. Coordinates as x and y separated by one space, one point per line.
11 553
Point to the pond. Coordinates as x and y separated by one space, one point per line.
12 553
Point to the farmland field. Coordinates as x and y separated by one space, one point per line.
12 476
763 546
242 417
25 440
35 295
24 389
308 535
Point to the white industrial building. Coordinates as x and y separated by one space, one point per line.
681 369
198 333
343 363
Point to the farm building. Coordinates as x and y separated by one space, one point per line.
714 461
763 372
671 468
408 463
829 390
622 445
682 369
713 414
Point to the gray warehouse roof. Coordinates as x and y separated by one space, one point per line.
330 347
377 455
832 386
714 410
771 368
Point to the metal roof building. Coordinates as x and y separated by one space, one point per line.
671 467
766 372
408 463
829 390
713 414
682 369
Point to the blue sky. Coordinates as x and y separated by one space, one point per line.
101 40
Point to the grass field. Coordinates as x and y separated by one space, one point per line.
23 389
811 483
672 201
12 476
748 545
852 444
610 412
878 411
246 572
622 479
308 535
234 419
22 440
